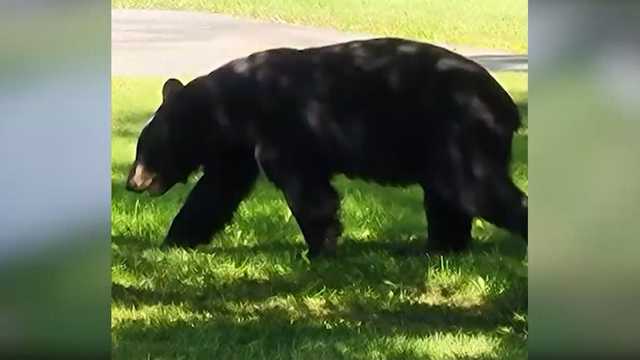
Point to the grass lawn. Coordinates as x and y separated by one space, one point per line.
496 24
249 295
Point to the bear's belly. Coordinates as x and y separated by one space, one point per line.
384 163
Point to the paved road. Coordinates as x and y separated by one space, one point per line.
176 43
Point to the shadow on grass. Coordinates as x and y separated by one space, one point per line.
392 335
405 318
408 319
375 271
361 268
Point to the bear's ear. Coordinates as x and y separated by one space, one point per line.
170 87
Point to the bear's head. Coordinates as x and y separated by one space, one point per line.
165 149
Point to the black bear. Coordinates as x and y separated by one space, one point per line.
388 110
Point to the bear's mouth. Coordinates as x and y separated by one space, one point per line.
141 179
157 187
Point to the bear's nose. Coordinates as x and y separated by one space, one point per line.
140 178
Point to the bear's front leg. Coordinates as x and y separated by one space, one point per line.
211 204
314 204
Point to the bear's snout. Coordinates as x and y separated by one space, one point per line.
140 178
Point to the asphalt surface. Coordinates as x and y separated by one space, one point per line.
185 43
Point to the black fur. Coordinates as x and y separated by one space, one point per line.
388 110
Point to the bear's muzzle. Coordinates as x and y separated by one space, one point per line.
140 178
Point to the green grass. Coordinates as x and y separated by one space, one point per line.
249 295
496 24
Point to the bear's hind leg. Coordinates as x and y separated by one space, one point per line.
500 202
448 226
